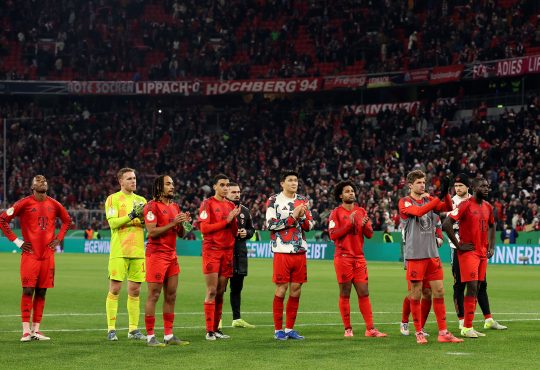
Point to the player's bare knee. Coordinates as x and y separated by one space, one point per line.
170 298
437 293
211 293
28 291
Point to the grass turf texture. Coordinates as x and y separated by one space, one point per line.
75 320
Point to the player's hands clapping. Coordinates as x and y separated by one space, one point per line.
232 214
137 211
352 217
365 220
300 211
465 247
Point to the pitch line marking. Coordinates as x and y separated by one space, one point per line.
258 325
458 353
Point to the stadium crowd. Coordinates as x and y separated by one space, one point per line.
172 39
80 149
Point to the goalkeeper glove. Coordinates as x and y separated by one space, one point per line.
137 211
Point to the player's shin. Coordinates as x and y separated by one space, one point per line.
345 310
364 304
440 314
277 309
134 310
111 306
209 312
26 309
292 310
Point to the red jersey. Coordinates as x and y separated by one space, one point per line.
38 223
349 237
217 233
474 222
161 214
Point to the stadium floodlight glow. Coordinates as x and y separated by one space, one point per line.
500 106
159 111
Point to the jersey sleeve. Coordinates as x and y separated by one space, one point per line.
307 223
336 228
445 206
205 225
66 221
8 215
367 229
111 209
491 220
458 212
150 213
407 208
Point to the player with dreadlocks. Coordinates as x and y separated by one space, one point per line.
163 220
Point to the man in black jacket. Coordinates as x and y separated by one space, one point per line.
240 265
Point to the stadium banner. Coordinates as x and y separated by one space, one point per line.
440 75
416 76
505 67
374 250
316 251
516 254
276 86
374 109
344 82
185 88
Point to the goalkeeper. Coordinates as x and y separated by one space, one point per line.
126 260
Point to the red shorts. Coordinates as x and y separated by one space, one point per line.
161 266
350 269
472 267
428 269
425 282
218 261
290 268
37 273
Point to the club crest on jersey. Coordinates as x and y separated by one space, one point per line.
408 204
332 224
203 215
455 212
150 216
10 211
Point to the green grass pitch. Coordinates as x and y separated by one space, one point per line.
75 320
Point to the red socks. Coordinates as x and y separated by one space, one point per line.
278 312
406 309
149 322
469 306
292 309
209 311
488 316
345 309
26 307
365 308
440 313
217 312
168 320
416 314
425 307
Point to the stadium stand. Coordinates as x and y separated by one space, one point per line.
239 39
80 149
